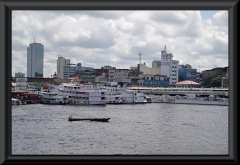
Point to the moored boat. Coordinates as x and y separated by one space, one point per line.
114 99
149 99
16 101
190 99
26 96
133 97
53 98
139 97
78 95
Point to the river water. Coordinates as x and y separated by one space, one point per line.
144 129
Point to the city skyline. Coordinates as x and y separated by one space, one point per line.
99 38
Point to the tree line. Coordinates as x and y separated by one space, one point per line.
214 81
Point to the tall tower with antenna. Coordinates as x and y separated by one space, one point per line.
35 59
140 54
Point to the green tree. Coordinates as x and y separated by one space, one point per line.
215 80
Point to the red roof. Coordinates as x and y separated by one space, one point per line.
187 82
46 86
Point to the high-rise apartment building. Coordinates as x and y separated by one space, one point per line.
61 63
35 60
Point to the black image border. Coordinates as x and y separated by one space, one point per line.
6 8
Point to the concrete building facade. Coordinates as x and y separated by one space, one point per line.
156 81
146 70
61 62
118 75
19 74
69 70
156 63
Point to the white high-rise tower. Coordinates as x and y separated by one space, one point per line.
169 67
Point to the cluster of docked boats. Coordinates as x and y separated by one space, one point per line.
80 94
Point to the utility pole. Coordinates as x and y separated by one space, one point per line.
140 54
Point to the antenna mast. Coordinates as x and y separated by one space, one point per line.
140 54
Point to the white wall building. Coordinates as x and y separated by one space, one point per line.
35 60
169 67
19 74
61 62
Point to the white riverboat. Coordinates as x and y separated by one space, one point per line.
114 99
16 101
53 98
127 96
77 94
190 99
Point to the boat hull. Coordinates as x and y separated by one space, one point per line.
84 102
89 119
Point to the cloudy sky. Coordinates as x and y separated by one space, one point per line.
98 38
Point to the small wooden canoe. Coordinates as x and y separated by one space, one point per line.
89 119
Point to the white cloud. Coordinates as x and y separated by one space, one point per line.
93 37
